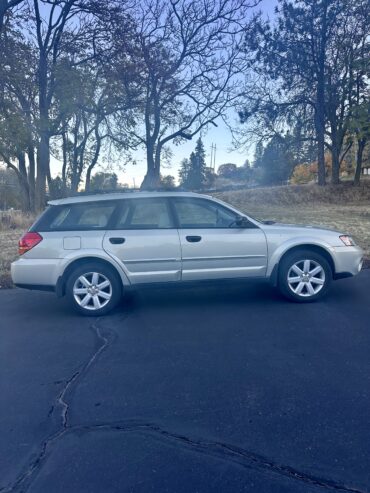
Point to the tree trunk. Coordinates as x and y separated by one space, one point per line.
152 179
93 162
320 133
49 179
43 154
31 175
76 172
25 198
2 13
335 170
75 180
3 9
65 163
88 179
321 153
320 100
359 155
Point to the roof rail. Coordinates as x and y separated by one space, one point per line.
105 191
125 190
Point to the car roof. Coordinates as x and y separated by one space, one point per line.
121 195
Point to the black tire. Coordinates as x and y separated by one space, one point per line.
104 273
311 287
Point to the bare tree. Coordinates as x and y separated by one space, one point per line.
48 39
17 111
85 127
6 6
187 60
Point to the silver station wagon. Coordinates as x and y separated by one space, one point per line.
93 248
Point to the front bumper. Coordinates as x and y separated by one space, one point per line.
347 260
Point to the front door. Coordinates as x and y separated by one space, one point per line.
145 241
213 246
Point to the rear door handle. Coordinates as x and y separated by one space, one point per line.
117 241
193 239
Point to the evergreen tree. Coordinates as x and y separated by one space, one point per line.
184 171
258 155
196 177
277 161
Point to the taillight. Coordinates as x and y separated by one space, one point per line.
28 241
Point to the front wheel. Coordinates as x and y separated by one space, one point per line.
93 289
304 276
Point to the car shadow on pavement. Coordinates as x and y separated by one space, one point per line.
209 295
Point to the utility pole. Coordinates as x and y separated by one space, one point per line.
213 156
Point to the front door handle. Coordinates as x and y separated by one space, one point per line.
117 241
193 239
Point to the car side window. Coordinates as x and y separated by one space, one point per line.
145 214
198 213
86 216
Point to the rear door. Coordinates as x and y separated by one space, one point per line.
145 241
213 247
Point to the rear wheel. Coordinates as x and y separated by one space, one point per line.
94 289
304 276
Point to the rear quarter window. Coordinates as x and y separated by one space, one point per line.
74 217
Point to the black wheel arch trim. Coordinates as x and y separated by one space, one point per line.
305 246
60 287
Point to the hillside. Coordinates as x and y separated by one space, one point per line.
310 195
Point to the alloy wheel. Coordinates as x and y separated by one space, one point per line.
306 278
92 291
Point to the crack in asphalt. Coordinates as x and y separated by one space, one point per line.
220 450
23 482
61 401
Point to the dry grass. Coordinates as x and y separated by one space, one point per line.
8 253
344 208
15 220
12 225
301 195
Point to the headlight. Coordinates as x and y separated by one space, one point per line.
347 240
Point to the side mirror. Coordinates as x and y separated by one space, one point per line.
242 222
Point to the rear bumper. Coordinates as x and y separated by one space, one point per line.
347 260
35 272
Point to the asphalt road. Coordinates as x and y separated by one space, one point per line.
187 390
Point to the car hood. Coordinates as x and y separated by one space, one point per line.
304 228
